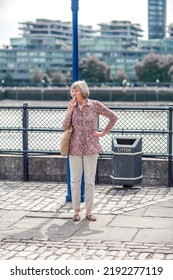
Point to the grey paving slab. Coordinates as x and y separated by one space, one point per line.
161 235
105 233
10 217
142 222
13 215
41 228
50 228
136 212
162 209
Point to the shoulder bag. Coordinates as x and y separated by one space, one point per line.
65 141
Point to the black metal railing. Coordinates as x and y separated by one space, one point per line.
36 130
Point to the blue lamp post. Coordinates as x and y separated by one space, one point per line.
75 77
75 65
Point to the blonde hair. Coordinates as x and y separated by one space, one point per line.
82 86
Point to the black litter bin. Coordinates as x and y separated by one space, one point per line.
126 160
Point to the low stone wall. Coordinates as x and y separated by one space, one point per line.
105 94
54 169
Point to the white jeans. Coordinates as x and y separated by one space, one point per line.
77 165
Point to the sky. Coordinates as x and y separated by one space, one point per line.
91 12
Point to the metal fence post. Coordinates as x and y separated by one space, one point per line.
75 77
170 179
75 61
25 141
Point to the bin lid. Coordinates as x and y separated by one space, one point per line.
129 143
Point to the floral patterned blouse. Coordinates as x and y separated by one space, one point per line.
84 122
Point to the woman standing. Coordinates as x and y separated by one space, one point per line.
83 113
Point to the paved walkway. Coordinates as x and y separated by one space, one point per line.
133 223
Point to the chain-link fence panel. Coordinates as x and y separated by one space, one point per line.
150 124
43 128
44 141
10 118
49 122
138 120
45 118
11 129
11 141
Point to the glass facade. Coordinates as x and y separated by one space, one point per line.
170 30
156 19
120 51
158 45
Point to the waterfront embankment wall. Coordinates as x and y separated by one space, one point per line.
107 94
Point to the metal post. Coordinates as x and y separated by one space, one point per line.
170 173
25 142
75 73
75 77
75 62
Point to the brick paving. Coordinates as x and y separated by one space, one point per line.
50 197
36 199
83 249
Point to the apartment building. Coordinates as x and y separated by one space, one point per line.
47 45
156 19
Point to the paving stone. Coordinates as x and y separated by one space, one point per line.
131 224
154 235
141 222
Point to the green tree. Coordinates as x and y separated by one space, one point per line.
121 75
37 75
46 78
170 72
58 77
92 69
154 67
8 79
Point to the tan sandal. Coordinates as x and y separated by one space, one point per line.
76 217
91 217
